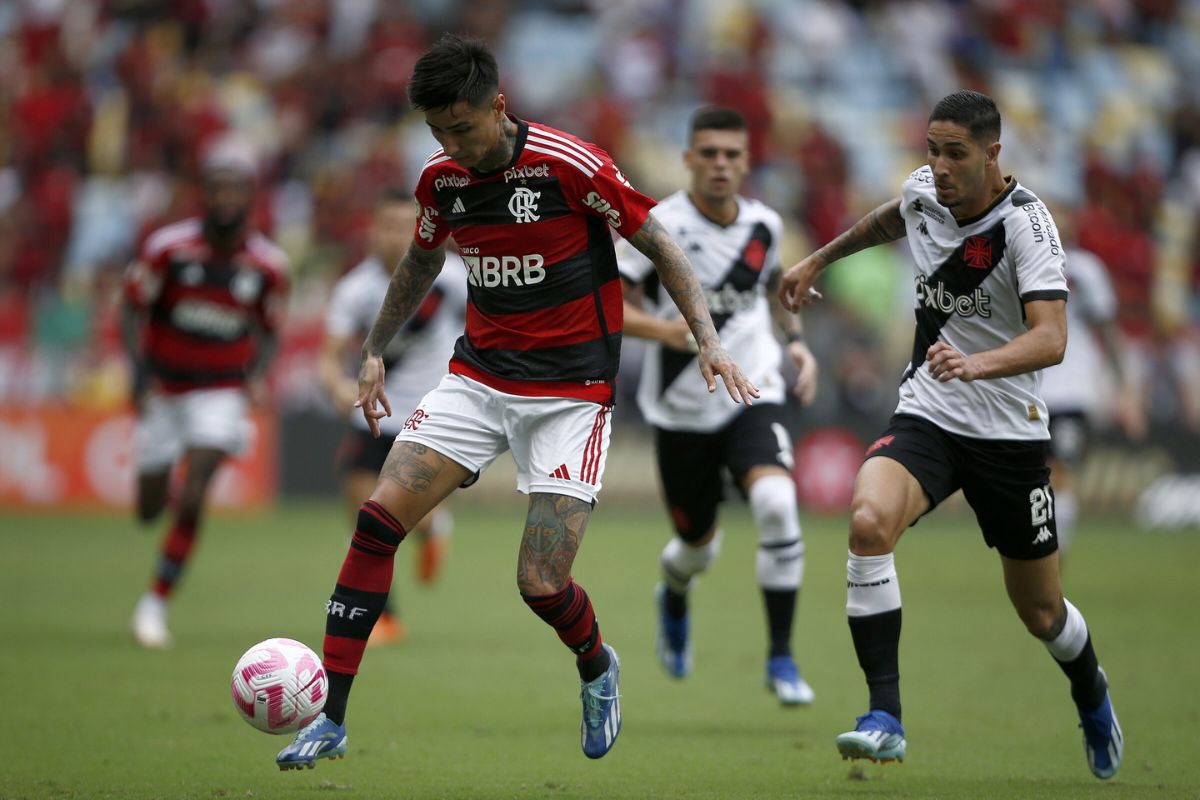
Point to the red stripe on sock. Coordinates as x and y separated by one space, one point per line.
343 654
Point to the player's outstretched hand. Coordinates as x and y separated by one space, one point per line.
796 285
806 377
370 393
946 363
715 361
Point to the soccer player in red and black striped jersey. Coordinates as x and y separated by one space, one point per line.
202 306
530 208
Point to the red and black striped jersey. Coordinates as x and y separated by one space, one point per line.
203 305
544 313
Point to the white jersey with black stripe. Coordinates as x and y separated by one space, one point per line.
973 278
419 354
733 263
1074 384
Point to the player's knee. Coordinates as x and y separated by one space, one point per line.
692 558
535 582
869 530
1041 619
780 558
773 503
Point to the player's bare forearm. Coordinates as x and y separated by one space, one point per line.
883 224
676 275
408 287
1037 348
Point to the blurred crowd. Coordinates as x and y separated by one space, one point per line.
108 106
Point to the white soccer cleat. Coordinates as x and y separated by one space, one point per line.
877 736
785 681
149 622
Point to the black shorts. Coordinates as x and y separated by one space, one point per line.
690 463
1070 435
1006 482
359 450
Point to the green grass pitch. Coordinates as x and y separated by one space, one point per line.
481 702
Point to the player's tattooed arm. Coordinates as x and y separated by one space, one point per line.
410 282
676 275
884 224
553 530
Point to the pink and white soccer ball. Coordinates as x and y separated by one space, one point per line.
279 686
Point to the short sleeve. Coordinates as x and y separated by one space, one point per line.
431 230
600 189
1037 255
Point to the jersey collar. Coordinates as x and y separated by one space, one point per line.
700 212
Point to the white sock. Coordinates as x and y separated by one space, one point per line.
780 559
681 562
1069 643
871 585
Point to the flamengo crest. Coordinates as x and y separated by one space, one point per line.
523 205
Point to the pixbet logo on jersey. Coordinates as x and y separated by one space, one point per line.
524 172
939 298
451 181
492 271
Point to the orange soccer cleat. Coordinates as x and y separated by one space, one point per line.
389 629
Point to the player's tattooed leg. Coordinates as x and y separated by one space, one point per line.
553 530
414 466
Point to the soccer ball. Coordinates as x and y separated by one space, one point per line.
279 686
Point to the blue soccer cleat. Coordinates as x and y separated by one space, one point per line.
321 738
1102 739
672 645
878 736
784 680
601 709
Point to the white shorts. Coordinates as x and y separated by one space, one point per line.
172 423
559 444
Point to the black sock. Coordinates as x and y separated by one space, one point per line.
877 643
1087 684
339 693
675 603
781 610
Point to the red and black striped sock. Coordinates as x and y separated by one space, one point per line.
358 599
570 613
176 547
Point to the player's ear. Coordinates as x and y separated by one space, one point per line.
992 153
498 105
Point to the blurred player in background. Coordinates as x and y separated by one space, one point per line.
531 209
203 303
733 243
991 297
1073 388
415 361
